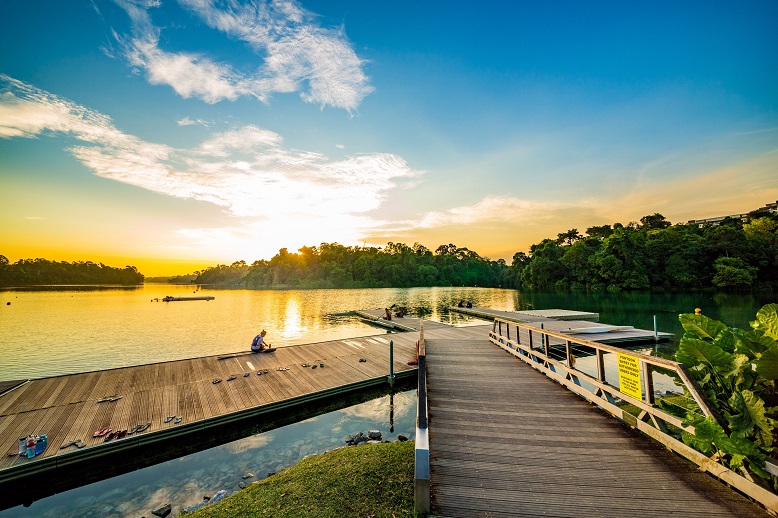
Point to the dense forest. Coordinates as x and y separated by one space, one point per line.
650 254
30 272
332 265
654 254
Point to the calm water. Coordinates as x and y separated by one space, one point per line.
45 333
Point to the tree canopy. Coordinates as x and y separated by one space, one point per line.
32 272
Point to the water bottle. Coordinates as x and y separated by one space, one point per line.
22 445
40 445
30 447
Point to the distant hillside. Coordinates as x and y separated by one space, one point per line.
176 279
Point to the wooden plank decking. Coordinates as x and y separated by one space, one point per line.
67 408
507 441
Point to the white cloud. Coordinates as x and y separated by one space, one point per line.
277 191
298 54
340 146
492 208
186 121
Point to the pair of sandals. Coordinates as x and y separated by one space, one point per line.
320 365
110 399
139 428
78 444
362 360
116 435
171 417
102 432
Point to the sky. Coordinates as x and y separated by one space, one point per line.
177 135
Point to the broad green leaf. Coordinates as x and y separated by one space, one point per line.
741 370
708 435
767 365
692 351
672 409
737 461
701 326
749 419
767 320
726 339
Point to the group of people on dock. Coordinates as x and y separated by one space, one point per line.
388 312
463 305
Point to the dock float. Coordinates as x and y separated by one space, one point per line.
180 299
572 322
190 404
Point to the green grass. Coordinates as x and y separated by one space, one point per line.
369 480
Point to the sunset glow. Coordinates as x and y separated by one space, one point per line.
174 136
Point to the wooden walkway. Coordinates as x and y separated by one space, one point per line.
507 441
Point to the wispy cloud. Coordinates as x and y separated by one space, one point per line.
299 55
274 189
186 121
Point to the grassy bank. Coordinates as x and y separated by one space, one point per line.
370 480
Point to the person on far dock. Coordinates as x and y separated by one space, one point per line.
258 345
387 314
469 304
461 304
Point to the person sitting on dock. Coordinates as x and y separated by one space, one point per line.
469 304
258 345
387 314
461 304
399 313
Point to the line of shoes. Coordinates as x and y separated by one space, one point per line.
306 365
111 435
362 360
171 417
109 399
282 369
235 376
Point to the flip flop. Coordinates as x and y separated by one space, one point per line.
231 378
321 365
259 373
80 444
362 360
143 428
169 418
102 432
313 366
246 375
133 429
178 419
217 380
121 435
306 365
68 444
111 436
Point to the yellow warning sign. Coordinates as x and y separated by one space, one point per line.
629 375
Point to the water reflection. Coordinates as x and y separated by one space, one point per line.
185 481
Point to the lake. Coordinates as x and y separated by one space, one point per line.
69 330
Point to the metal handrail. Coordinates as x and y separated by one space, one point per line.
422 457
651 420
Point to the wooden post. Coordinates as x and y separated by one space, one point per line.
600 366
569 351
518 334
648 382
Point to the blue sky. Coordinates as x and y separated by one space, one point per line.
175 135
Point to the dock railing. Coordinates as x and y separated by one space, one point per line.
421 497
622 383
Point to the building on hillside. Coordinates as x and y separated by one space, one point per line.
770 207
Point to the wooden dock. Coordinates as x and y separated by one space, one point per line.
561 320
73 407
506 441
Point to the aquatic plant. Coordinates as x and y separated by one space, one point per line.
736 369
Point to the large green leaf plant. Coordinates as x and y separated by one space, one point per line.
737 371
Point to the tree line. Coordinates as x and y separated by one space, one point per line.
654 254
650 254
32 272
331 265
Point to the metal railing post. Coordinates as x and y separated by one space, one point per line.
391 363
421 482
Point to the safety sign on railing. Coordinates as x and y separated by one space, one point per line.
629 375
